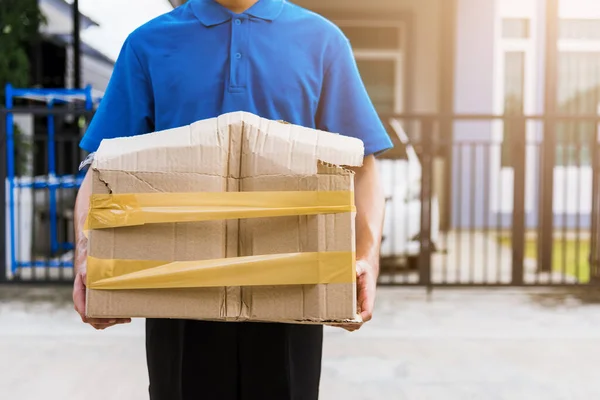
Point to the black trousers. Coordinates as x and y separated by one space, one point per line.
197 360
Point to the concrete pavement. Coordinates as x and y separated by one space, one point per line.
454 344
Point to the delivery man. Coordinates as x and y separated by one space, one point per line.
281 62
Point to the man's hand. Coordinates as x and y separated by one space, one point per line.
370 209
79 292
366 286
79 301
79 288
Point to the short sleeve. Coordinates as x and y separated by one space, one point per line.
345 106
127 107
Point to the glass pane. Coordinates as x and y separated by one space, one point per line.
579 29
367 37
514 95
578 93
513 28
379 77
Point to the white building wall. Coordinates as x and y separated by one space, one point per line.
96 73
480 88
58 22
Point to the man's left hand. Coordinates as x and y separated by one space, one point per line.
366 286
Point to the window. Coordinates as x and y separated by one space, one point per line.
578 93
378 49
379 77
513 28
578 89
515 75
361 37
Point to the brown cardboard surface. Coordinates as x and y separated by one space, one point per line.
235 152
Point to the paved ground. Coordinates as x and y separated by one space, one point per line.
470 344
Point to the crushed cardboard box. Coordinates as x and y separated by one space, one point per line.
236 152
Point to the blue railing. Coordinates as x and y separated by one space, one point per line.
51 182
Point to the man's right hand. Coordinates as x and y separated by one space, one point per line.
79 290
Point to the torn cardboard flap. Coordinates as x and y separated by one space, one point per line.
288 146
236 152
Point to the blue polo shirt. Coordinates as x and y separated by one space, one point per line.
276 60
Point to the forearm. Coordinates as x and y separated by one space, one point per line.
370 210
82 204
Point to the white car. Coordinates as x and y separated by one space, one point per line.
402 185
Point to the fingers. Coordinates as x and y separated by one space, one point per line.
366 286
79 305
101 324
367 310
351 327
366 301
79 295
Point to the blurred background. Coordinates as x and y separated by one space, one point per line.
489 282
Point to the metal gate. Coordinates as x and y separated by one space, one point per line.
469 208
39 137
502 187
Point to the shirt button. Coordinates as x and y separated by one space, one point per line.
238 22
238 55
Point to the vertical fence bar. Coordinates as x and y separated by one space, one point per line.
593 256
578 212
473 207
499 228
486 211
406 227
44 143
52 181
427 142
3 158
459 224
566 163
10 159
517 136
447 193
546 206
447 67
60 172
538 238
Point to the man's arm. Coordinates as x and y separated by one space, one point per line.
370 207
345 108
82 204
125 110
81 210
370 210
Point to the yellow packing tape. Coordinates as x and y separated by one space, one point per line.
118 210
276 269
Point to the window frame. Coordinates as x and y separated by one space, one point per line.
505 173
579 46
395 55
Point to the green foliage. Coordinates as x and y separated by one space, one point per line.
20 21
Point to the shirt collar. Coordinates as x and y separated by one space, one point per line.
211 13
266 9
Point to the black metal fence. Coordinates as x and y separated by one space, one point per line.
503 200
468 199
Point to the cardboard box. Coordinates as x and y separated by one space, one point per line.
236 152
